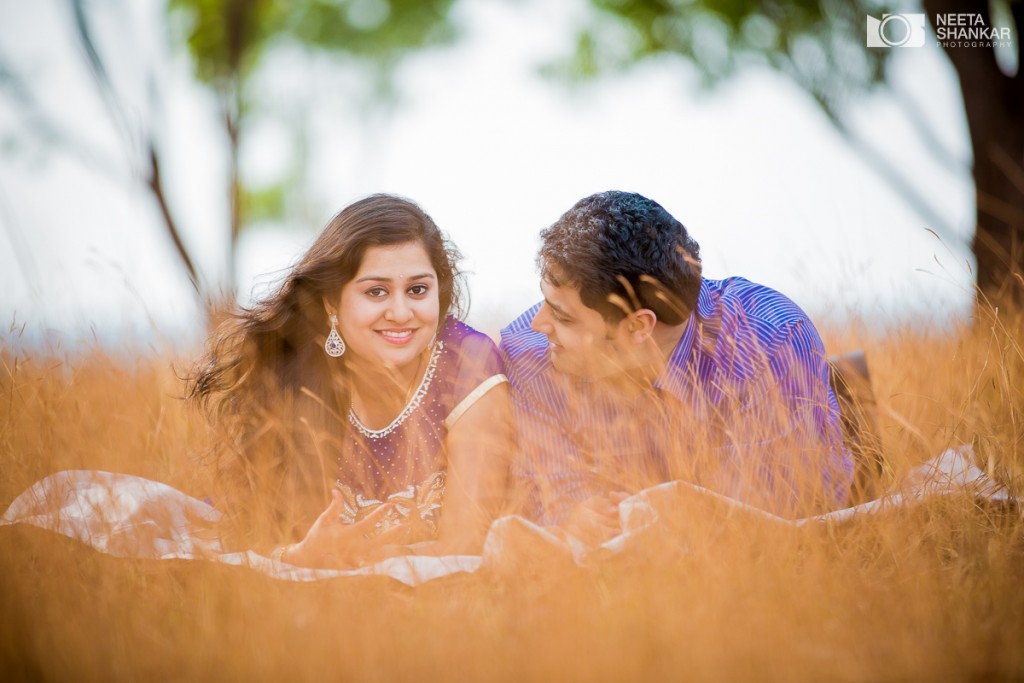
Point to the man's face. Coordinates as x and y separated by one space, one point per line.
580 341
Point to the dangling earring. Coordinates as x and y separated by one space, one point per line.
335 345
433 340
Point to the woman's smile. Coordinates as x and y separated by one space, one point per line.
389 311
398 336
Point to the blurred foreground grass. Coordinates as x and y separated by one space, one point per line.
931 592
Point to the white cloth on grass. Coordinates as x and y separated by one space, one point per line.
129 516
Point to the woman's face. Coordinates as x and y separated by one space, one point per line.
389 311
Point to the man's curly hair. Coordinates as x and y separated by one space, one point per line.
624 252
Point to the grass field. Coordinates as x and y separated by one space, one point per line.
932 592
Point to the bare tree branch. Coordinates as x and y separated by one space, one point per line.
47 130
157 188
98 69
899 182
923 127
877 161
112 101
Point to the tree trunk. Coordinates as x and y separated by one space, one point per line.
994 105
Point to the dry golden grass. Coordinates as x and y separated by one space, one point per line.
931 592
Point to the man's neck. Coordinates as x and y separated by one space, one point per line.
652 361
666 338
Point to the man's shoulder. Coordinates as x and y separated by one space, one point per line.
524 352
751 320
742 303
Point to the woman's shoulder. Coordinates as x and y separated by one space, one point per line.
457 335
468 354
472 367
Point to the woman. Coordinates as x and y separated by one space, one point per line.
356 384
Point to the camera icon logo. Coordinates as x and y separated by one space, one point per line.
896 30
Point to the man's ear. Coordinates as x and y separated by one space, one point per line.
640 324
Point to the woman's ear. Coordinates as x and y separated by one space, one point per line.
330 308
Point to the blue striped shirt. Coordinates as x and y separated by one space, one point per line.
743 405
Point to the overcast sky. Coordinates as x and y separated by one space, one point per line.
492 151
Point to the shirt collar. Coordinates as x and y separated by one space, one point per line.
676 375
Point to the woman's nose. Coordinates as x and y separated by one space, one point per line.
399 310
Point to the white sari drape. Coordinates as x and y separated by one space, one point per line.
128 516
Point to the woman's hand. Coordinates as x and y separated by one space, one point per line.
330 542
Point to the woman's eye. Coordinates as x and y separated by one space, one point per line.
376 292
418 290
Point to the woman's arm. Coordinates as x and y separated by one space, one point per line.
478 445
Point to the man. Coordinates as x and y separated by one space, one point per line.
635 370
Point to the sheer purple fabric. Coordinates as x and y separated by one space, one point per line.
404 463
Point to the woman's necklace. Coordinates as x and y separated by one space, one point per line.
416 387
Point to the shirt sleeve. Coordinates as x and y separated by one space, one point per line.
785 450
548 469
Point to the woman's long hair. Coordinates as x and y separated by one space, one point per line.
277 401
